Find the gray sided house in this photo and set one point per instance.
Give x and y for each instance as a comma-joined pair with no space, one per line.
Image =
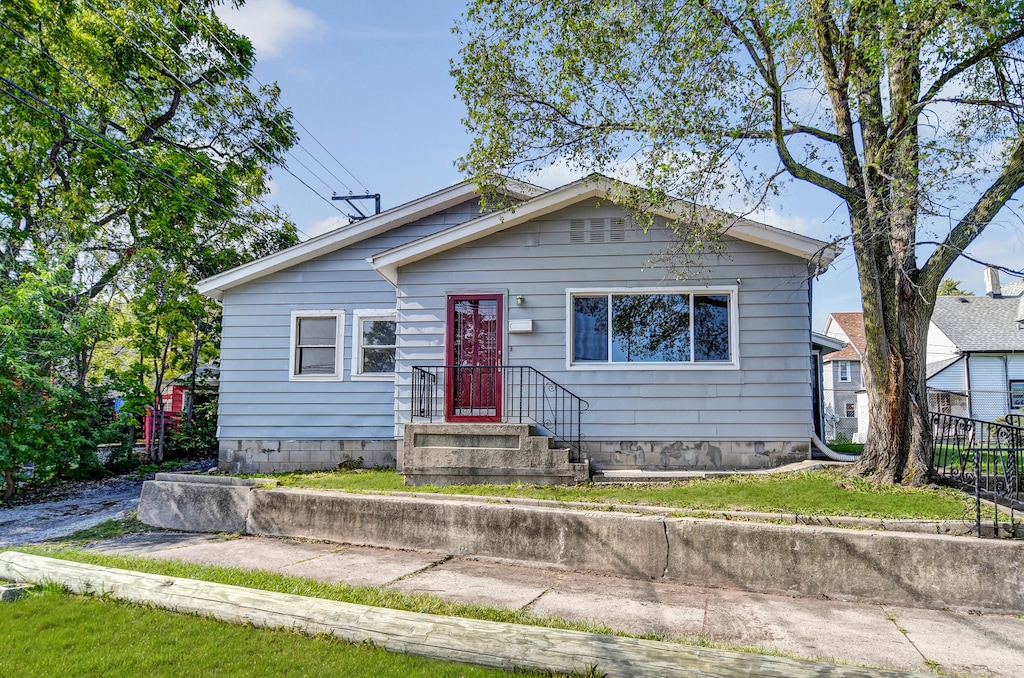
434,315
976,352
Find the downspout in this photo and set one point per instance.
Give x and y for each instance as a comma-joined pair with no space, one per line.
822,447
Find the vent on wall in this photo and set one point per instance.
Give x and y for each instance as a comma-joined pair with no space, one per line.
596,230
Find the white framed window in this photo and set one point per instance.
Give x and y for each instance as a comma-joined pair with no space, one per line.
844,370
663,328
316,345
851,410
374,343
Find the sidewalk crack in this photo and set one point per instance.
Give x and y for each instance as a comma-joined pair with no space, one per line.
542,593
664,527
930,663
430,566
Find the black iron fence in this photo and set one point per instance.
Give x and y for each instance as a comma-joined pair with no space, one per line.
982,456
507,393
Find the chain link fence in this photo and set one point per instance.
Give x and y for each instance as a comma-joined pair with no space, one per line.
841,413
992,406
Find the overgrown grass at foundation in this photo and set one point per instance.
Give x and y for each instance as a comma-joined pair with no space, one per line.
824,493
49,633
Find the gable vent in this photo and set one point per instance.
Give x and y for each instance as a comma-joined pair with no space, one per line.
617,232
576,230
597,227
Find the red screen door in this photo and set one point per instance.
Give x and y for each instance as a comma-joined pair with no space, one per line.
473,384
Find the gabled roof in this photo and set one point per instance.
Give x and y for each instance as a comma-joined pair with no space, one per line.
825,342
591,187
852,327
215,286
981,324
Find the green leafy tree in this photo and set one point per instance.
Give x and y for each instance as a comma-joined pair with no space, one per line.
951,288
129,136
909,113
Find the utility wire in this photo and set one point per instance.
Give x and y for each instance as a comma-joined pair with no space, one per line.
124,152
163,67
246,92
199,20
195,157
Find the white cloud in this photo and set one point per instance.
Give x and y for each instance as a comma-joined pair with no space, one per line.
272,25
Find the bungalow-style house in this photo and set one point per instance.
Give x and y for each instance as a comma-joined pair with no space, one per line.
438,326
976,352
842,379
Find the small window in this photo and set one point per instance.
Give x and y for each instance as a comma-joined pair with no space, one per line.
374,344
851,410
316,345
844,370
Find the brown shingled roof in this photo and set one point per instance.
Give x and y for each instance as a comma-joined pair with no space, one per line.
852,325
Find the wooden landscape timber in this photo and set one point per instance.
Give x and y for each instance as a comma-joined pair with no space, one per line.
471,641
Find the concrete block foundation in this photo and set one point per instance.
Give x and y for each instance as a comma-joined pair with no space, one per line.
278,456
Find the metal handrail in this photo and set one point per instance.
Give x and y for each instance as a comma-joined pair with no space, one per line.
526,395
987,457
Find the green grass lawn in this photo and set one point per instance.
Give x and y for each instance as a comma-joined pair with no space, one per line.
283,583
825,493
49,633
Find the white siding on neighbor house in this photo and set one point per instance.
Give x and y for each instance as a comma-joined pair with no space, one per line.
940,347
952,378
988,386
767,398
1015,366
257,399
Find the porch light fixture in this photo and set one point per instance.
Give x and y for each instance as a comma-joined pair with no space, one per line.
519,300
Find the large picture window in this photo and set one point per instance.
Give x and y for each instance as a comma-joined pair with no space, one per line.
374,344
667,327
316,345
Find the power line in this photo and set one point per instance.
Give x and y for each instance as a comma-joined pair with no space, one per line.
244,91
191,155
312,136
124,152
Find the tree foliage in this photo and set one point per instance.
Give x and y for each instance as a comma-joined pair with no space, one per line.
136,158
909,112
951,288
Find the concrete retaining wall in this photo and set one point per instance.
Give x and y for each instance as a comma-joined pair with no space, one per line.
917,570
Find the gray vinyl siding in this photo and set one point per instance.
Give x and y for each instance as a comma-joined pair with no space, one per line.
767,398
257,400
951,378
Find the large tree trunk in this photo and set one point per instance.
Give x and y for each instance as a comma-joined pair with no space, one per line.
899,437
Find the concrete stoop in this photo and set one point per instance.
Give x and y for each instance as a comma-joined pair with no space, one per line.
470,454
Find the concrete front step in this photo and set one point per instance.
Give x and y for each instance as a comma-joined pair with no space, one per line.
468,454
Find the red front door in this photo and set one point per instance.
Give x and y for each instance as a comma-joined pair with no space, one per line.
473,383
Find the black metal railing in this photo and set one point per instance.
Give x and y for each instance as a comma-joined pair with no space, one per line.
508,393
981,456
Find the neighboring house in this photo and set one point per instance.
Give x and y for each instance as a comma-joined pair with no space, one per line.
843,379
976,352
328,345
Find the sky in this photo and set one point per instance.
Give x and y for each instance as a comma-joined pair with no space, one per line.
369,86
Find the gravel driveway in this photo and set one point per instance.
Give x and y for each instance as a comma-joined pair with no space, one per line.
86,504
52,519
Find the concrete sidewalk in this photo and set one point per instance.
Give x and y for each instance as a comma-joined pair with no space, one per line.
901,638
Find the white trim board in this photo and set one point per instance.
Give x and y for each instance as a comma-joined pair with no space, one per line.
215,286
593,187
